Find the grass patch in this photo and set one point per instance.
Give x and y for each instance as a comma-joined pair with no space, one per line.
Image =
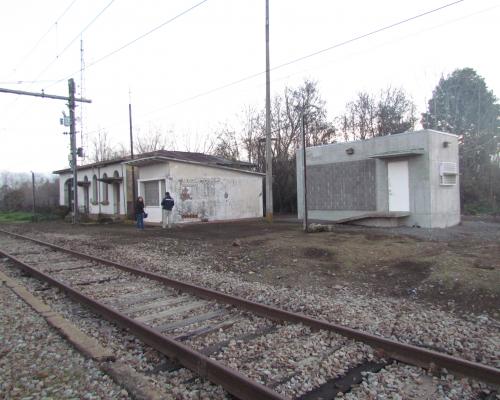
22,216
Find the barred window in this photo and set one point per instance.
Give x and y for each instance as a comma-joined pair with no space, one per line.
151,193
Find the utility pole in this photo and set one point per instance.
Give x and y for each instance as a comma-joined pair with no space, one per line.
72,135
131,149
71,105
33,188
269,159
304,186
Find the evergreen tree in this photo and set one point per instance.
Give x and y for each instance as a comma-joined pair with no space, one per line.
462,104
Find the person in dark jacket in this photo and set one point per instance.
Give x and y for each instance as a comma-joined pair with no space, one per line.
139,213
167,204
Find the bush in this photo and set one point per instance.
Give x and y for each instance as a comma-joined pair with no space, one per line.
480,208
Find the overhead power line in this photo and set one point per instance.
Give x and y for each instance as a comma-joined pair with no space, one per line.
135,40
74,39
19,82
296,60
28,54
332,47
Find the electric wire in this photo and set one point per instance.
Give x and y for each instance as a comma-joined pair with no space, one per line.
28,54
172,19
74,39
254,75
335,46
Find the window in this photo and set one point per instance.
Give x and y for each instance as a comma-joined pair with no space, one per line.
162,188
94,189
448,172
151,193
448,180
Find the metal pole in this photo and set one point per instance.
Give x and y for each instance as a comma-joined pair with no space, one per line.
33,188
132,152
48,96
303,131
269,160
72,134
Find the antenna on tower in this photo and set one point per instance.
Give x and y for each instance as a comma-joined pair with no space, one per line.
82,67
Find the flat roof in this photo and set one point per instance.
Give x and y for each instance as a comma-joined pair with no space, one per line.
399,153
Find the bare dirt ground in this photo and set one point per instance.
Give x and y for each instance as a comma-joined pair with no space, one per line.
455,269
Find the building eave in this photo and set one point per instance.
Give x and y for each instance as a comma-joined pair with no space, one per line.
162,159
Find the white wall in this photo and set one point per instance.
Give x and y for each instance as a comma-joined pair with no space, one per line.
203,192
445,200
431,204
96,206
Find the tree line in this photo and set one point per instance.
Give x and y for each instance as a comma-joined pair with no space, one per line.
16,192
461,103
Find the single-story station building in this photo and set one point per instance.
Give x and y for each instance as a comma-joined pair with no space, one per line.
408,179
204,187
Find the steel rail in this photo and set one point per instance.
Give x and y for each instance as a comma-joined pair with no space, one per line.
406,353
230,379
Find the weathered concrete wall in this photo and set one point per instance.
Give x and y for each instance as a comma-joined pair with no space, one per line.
350,179
199,191
445,200
203,192
348,185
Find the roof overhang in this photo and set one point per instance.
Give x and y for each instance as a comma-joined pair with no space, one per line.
141,162
111,179
398,154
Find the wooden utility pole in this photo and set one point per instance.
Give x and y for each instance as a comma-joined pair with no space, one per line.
269,158
304,186
71,105
33,189
131,151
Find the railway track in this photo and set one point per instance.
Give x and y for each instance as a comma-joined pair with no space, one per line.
223,338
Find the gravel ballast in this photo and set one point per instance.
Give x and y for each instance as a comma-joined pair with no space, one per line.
474,337
36,363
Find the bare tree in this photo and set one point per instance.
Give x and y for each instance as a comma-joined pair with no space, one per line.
396,112
199,143
101,149
286,119
367,116
252,132
226,144
359,121
154,140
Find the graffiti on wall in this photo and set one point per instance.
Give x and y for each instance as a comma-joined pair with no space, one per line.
198,197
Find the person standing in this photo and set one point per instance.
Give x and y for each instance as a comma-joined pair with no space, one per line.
167,204
139,213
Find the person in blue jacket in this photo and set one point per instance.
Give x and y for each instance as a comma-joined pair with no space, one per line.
167,204
139,213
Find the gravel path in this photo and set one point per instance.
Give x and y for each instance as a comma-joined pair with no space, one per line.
36,363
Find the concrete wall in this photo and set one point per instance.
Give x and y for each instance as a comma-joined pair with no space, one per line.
427,198
203,192
445,200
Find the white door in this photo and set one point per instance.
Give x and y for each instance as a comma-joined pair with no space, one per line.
399,188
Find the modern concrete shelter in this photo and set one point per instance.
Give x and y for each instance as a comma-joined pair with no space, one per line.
204,187
408,179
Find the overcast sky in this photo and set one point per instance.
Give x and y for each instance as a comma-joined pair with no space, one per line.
216,43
